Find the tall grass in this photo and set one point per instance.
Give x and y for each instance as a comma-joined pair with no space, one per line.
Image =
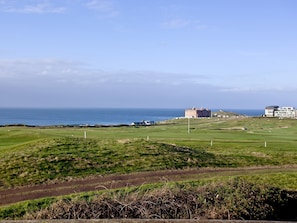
230,199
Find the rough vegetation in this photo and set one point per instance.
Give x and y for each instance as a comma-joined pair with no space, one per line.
59,159
44,156
62,158
234,199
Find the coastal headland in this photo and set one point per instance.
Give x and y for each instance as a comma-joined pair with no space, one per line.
64,165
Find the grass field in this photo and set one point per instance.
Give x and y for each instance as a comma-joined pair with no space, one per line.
36,155
41,155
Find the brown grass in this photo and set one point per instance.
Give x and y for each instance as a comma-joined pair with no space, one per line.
236,199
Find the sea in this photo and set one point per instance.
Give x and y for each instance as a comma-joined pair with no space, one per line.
97,116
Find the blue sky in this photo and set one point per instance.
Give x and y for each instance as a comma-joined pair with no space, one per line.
148,53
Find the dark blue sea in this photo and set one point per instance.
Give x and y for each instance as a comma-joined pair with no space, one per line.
95,116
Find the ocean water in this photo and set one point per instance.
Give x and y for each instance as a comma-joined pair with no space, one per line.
96,116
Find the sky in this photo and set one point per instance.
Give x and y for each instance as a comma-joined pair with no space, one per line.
148,53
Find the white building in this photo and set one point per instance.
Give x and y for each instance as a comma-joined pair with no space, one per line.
281,112
270,110
285,112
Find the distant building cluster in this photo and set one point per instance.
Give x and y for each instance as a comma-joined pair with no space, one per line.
280,112
270,111
143,123
197,113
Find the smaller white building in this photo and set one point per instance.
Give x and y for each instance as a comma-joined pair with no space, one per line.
270,110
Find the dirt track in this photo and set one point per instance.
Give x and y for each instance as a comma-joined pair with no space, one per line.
117,181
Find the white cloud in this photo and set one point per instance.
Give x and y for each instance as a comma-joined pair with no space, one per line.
30,7
180,23
176,23
26,71
62,83
253,53
69,83
237,89
258,89
105,7
36,72
72,73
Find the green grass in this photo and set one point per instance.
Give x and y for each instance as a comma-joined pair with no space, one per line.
59,158
37,155
19,210
234,191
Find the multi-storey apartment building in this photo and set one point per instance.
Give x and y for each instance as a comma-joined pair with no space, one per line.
285,112
281,112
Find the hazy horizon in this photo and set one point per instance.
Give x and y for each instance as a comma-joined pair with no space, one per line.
141,108
148,54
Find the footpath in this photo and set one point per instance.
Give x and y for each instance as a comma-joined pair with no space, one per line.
9,196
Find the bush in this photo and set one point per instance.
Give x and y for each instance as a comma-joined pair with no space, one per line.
235,199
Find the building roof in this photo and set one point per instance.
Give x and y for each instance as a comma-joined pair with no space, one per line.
272,107
198,109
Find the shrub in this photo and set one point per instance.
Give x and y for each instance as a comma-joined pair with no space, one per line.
235,199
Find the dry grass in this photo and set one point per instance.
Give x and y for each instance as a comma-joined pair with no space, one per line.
232,200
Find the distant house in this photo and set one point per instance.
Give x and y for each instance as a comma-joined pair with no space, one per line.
197,113
143,123
270,110
280,112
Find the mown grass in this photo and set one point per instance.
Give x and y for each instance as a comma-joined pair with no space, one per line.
37,155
